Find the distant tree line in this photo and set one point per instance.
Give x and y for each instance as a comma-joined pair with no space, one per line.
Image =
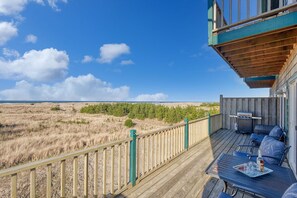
151,111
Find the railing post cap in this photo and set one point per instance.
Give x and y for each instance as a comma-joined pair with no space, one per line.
186,120
132,132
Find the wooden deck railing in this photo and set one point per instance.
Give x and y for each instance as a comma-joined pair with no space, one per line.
78,159
94,170
228,14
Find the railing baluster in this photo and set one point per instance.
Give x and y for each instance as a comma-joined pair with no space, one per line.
75,176
86,175
163,146
148,153
126,164
215,14
63,178
268,5
49,181
230,11
281,3
13,193
160,149
171,146
248,8
112,170
138,158
104,173
239,11
32,183
165,136
156,149
143,156
153,151
259,7
96,158
119,167
222,13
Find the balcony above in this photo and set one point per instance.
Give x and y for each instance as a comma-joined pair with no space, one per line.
254,37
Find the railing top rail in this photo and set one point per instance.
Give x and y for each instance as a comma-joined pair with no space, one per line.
266,14
161,130
198,120
216,115
44,162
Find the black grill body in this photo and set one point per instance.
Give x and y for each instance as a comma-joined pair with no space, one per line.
244,122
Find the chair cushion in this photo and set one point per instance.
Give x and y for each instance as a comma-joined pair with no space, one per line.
272,147
224,195
276,132
257,138
263,129
291,192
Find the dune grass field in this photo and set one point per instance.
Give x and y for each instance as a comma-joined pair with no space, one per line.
29,132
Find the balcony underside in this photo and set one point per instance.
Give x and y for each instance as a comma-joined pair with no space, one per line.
259,49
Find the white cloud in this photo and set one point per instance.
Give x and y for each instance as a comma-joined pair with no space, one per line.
152,97
44,65
108,52
14,7
53,3
31,38
81,88
127,62
87,59
10,53
7,31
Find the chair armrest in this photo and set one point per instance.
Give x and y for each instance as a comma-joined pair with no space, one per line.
245,146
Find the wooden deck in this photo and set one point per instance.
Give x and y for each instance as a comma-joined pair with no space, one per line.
185,176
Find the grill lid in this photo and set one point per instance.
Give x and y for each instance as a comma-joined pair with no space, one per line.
244,114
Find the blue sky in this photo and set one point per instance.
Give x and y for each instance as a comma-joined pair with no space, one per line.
111,50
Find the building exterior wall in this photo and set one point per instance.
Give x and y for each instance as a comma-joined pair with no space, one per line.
285,87
286,74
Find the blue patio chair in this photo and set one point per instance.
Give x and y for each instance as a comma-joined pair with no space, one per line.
291,192
276,132
272,150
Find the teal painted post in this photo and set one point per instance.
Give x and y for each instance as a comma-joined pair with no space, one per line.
133,157
209,124
210,21
186,134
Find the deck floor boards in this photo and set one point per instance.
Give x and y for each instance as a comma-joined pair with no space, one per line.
185,176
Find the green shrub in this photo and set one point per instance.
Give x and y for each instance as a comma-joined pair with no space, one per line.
129,123
56,108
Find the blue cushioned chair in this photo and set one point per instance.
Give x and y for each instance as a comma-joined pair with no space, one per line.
276,132
291,192
272,150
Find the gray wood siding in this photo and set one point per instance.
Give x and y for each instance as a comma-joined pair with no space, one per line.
267,108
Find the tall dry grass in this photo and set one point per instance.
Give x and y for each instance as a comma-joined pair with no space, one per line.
32,132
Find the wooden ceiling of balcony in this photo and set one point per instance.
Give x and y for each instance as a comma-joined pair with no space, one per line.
261,55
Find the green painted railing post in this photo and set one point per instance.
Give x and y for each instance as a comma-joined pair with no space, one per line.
209,124
186,133
133,157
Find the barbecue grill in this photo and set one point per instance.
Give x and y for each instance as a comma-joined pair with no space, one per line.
244,121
